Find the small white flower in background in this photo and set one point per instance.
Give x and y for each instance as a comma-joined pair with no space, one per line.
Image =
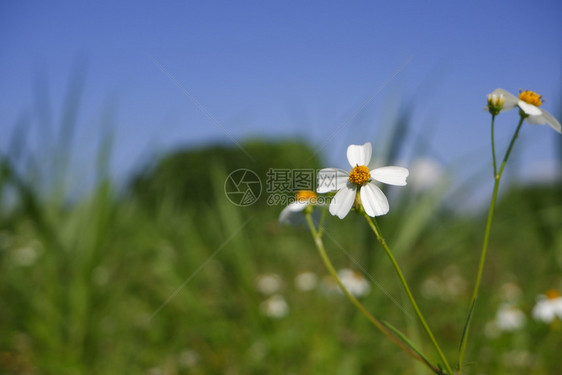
189,358
425,173
518,358
354,282
432,287
25,256
306,281
509,318
447,287
528,102
548,307
269,283
373,200
274,307
155,371
258,351
293,214
510,292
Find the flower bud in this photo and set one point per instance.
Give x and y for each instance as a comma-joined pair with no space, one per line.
495,103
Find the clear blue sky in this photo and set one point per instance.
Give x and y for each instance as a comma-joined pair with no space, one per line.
283,68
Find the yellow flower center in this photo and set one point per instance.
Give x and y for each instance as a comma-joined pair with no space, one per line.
552,294
530,97
359,175
303,195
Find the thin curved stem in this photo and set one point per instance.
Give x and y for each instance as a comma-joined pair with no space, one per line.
508,152
494,145
374,226
497,178
317,236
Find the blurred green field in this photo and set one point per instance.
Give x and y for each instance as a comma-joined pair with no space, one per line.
162,277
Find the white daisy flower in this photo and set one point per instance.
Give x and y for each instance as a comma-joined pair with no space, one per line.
528,102
373,200
548,307
293,213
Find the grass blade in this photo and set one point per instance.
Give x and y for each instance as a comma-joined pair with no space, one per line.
462,346
410,344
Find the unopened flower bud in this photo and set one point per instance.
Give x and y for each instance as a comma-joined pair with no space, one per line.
495,103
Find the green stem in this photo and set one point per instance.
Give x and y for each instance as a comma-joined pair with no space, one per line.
508,152
497,178
374,226
494,145
317,236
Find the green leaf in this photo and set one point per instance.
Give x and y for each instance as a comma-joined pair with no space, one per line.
462,346
407,341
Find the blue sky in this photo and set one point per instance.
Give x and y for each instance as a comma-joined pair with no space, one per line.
165,74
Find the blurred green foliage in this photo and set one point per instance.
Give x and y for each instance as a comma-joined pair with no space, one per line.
163,278
106,285
186,176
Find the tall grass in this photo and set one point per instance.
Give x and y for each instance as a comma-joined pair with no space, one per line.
104,285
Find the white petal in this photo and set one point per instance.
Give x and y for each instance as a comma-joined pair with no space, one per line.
298,206
391,175
510,99
545,118
529,109
292,214
359,154
331,179
343,200
536,120
373,200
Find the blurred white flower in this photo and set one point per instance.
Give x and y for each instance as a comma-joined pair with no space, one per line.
425,173
509,318
432,287
274,307
454,283
518,358
510,292
189,358
25,256
373,200
548,307
306,281
446,287
155,371
354,282
258,350
293,214
529,103
268,283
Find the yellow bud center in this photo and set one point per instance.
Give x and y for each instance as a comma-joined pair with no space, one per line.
359,175
530,97
303,195
552,294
